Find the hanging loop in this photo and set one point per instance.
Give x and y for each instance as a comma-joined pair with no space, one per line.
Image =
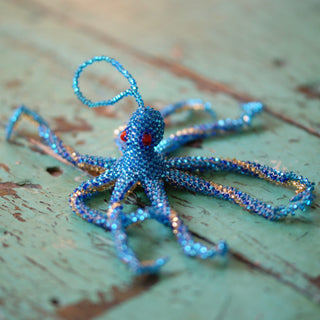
133,91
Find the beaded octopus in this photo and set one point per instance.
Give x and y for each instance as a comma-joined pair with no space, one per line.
145,162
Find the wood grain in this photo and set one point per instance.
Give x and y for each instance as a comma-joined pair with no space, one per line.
53,265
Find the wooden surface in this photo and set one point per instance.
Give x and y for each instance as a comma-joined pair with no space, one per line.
53,265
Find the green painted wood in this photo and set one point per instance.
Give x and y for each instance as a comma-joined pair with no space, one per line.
267,51
54,265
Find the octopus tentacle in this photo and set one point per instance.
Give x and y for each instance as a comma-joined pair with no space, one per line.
302,199
114,220
92,187
115,217
190,104
210,129
164,214
92,164
87,190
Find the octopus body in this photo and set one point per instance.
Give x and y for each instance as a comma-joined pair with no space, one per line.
146,161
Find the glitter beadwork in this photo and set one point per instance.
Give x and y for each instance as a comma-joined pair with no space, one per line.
145,161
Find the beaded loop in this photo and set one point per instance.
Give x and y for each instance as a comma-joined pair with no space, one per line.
134,91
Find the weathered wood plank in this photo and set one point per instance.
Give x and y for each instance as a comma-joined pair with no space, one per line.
253,48
52,264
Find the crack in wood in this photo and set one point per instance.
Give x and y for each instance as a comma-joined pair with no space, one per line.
224,309
268,271
43,268
86,309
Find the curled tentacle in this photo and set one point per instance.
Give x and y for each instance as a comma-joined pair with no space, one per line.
164,214
116,216
114,220
19,114
210,129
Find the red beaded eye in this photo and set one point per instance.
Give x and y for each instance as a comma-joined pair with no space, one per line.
146,139
123,136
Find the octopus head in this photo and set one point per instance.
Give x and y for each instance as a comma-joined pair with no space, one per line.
144,130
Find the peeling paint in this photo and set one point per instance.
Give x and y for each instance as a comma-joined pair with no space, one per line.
186,217
63,125
8,188
202,82
315,281
80,142
105,112
13,235
86,309
290,278
13,84
18,216
5,167
311,90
